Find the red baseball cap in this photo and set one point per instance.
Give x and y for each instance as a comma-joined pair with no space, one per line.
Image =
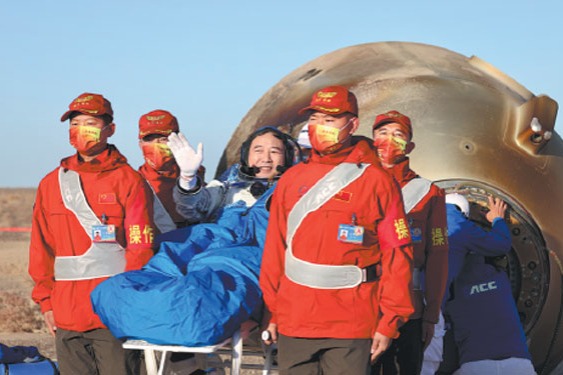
333,100
89,104
394,116
157,122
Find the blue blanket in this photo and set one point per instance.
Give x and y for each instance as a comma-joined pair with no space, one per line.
198,289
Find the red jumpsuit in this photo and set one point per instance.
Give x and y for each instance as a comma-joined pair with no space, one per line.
163,184
112,188
428,224
348,313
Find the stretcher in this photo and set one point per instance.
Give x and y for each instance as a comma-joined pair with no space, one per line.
232,347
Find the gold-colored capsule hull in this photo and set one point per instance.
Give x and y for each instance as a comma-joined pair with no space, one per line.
475,129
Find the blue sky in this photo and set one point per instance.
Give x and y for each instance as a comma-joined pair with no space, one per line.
209,62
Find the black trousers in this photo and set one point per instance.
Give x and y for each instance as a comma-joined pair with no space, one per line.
93,352
405,354
303,356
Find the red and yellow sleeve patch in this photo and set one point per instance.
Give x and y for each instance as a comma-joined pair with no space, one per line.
438,237
401,229
138,235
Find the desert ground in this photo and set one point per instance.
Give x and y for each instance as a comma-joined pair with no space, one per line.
21,322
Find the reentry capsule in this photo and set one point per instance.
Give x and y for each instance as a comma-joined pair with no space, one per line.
476,130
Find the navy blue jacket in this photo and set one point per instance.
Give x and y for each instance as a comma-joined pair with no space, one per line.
464,236
482,310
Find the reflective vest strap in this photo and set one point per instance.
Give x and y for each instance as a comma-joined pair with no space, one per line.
161,217
322,276
414,191
75,201
101,259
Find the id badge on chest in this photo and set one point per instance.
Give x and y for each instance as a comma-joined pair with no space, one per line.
350,233
416,235
416,232
103,233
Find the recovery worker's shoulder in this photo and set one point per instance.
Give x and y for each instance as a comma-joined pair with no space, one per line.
129,174
50,182
126,181
376,174
293,173
436,191
48,189
51,176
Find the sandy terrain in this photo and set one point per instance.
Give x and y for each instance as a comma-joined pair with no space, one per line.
20,319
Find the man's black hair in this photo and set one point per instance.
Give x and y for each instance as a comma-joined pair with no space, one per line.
289,144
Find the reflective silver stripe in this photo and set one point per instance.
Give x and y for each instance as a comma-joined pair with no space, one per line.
322,276
101,259
161,217
414,191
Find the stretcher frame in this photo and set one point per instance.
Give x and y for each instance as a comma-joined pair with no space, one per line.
232,346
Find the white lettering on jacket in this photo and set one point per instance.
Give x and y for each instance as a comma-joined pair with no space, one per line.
484,287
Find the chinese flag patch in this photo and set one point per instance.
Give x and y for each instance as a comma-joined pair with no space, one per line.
344,196
106,198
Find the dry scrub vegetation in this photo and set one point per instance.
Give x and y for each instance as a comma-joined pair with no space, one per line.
21,322
17,312
16,207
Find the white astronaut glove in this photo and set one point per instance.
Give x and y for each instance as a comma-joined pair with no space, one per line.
188,159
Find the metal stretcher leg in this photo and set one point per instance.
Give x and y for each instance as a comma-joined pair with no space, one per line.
236,355
162,362
202,353
150,362
269,349
154,369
